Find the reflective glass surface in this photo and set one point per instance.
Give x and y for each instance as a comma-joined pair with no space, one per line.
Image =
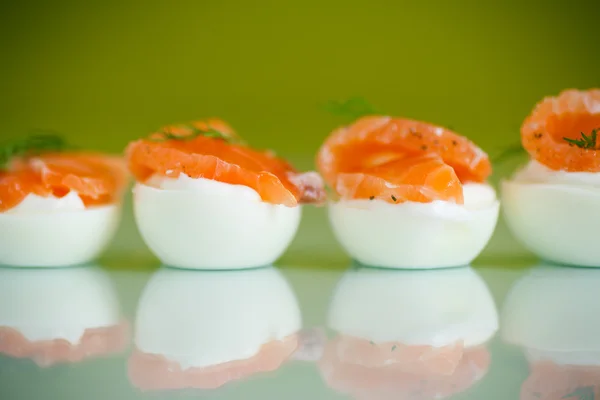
287,332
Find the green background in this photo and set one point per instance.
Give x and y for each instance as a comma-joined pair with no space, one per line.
104,73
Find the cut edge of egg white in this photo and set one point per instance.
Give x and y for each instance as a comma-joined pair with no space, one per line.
417,235
199,223
55,232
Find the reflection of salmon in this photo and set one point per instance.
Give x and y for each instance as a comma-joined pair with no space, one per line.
208,157
549,381
155,372
98,179
385,371
416,359
95,342
569,115
411,160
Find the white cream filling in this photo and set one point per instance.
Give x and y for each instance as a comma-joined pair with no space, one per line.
478,195
34,203
535,172
184,182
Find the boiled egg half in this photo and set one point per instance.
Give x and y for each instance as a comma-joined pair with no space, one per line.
407,194
205,200
551,203
58,209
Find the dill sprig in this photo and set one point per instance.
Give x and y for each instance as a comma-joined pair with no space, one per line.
585,142
354,108
194,132
33,145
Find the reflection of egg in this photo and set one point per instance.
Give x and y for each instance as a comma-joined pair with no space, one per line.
416,235
46,234
408,332
552,313
555,214
414,307
61,315
202,329
205,224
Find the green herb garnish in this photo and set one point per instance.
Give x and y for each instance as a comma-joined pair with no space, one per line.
194,132
508,153
32,145
585,142
394,347
583,393
354,108
394,198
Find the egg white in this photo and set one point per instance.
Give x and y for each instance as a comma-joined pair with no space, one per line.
204,318
205,224
44,304
416,235
552,312
555,214
54,232
414,307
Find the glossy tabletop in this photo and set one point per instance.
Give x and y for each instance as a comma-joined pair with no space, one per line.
313,326
553,307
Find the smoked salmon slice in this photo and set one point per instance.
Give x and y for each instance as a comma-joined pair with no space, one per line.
421,178
553,134
211,150
400,160
98,179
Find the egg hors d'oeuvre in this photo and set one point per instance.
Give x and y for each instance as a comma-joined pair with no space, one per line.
59,315
411,194
552,313
403,333
58,207
551,205
203,329
203,199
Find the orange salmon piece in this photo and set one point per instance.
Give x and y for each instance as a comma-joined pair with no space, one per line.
421,178
568,115
98,179
275,180
377,140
